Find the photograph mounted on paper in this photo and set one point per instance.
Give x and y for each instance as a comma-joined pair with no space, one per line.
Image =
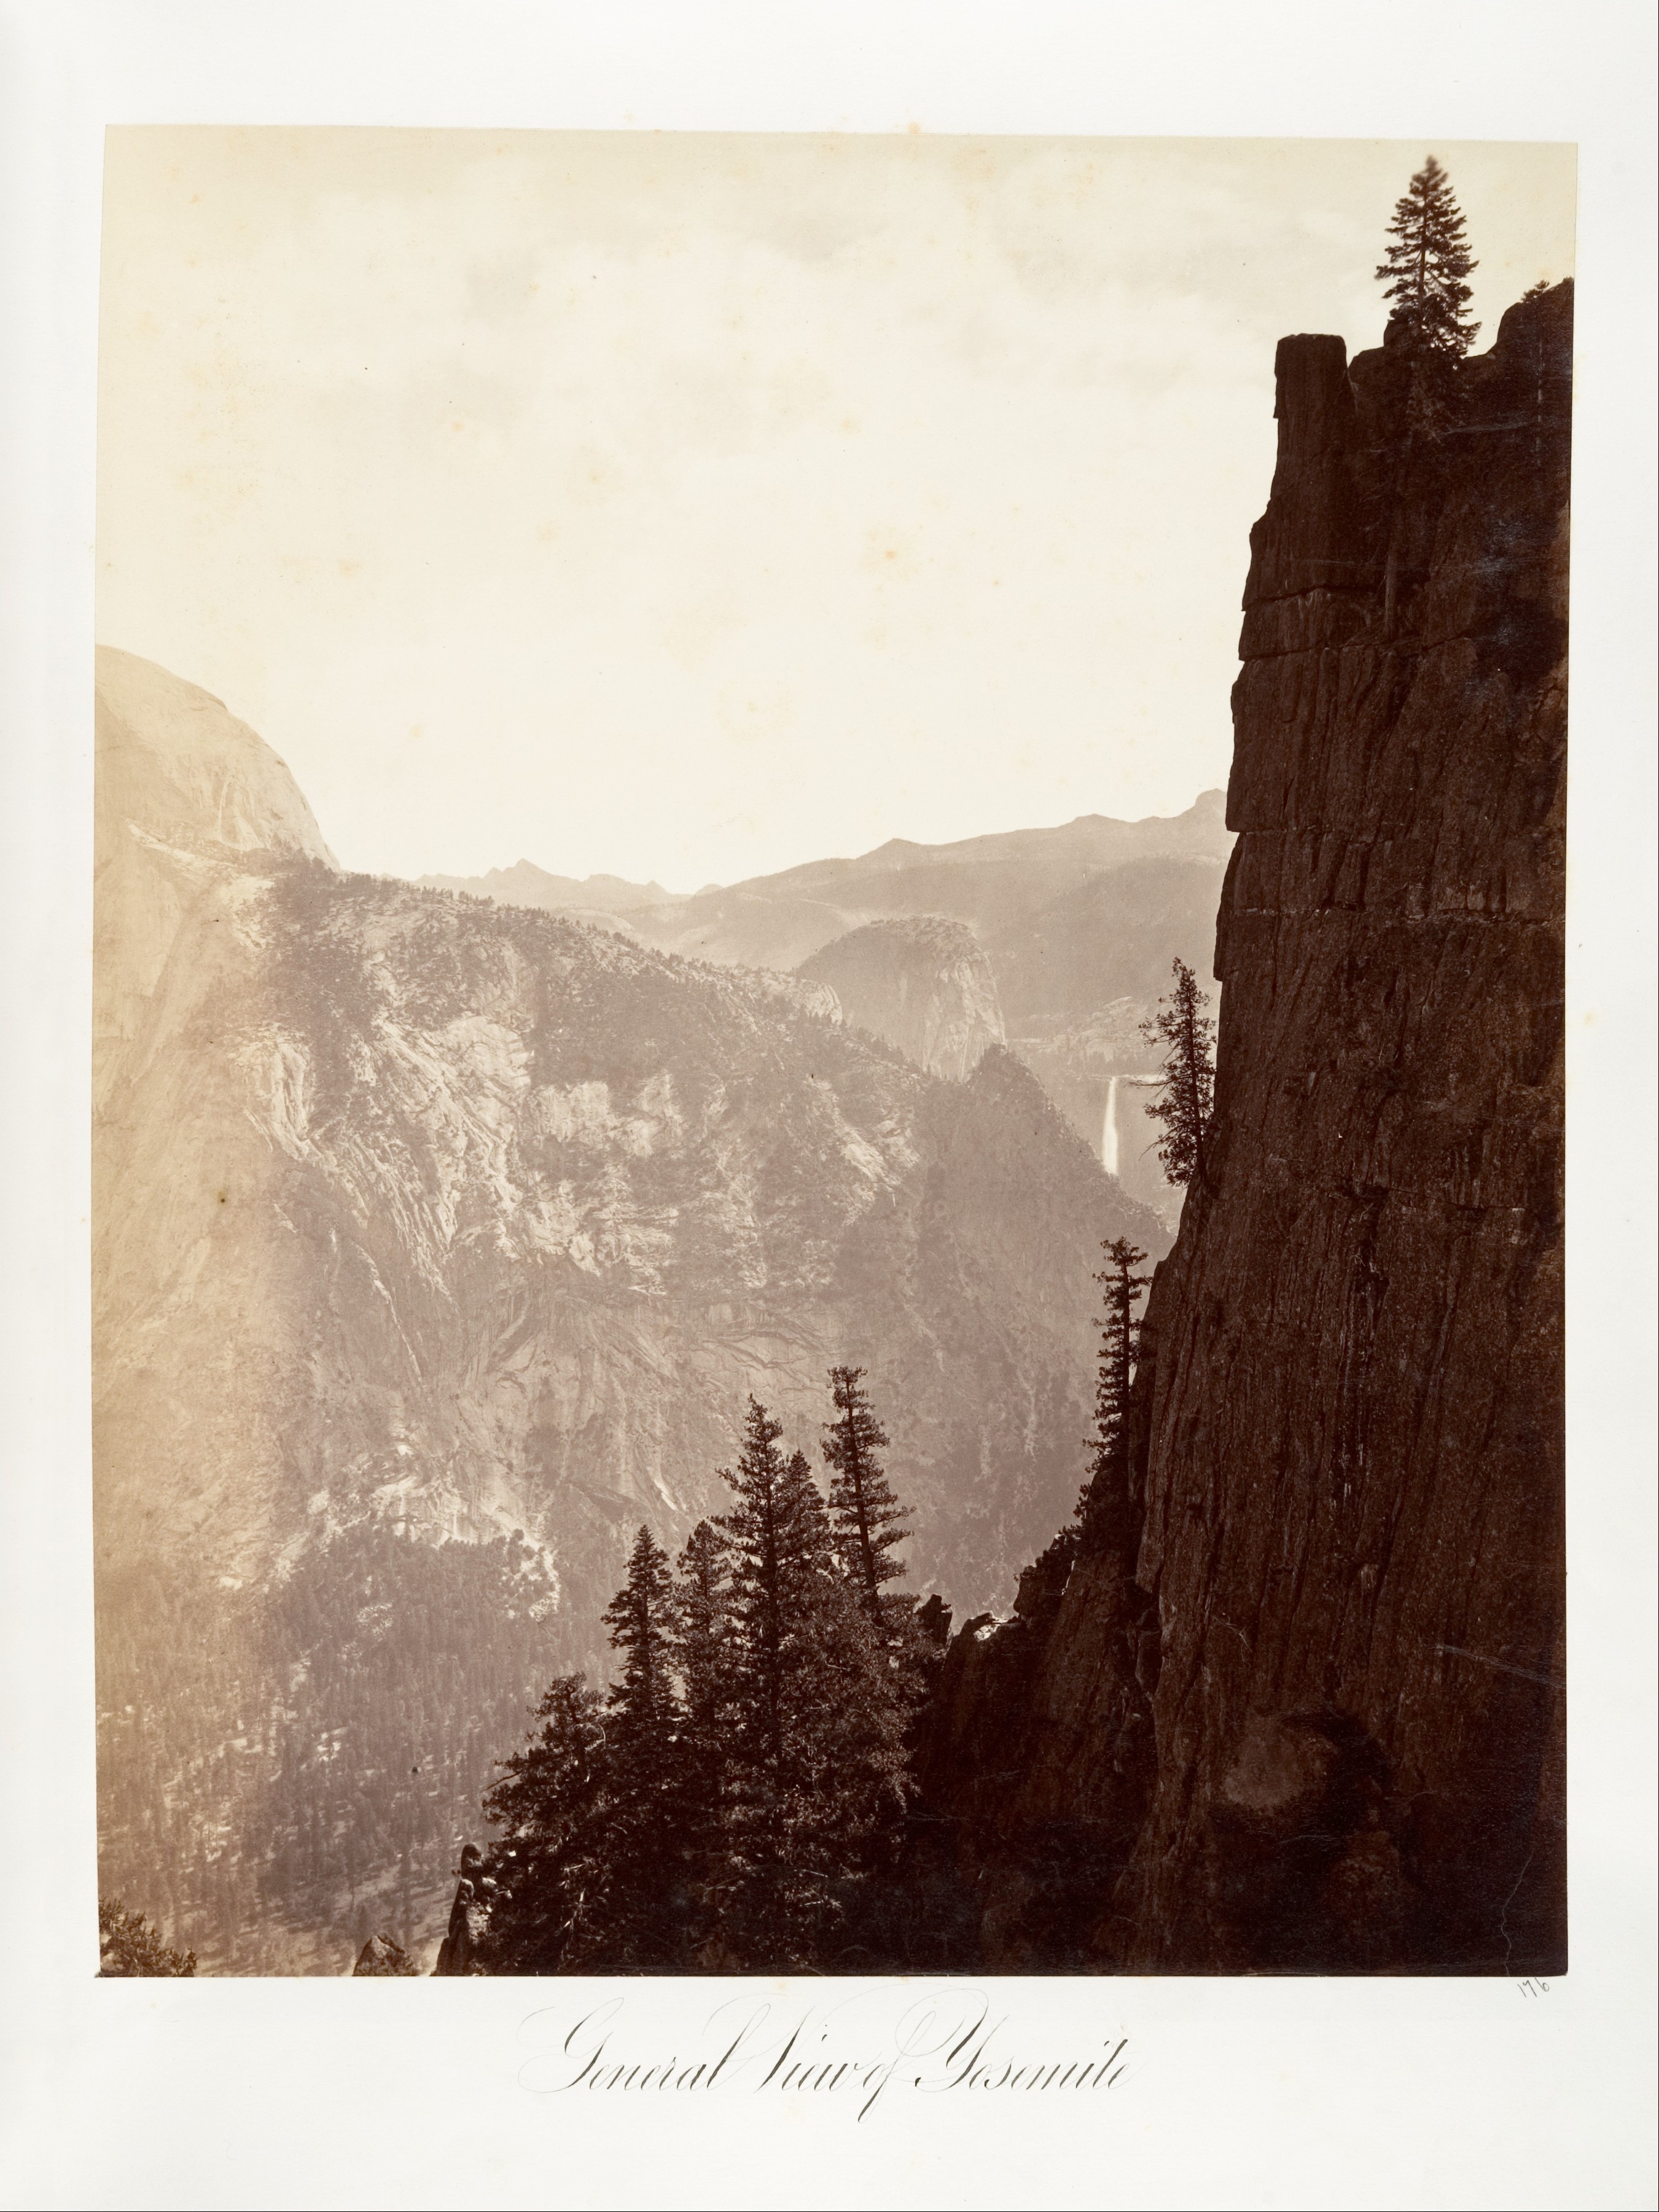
827,1234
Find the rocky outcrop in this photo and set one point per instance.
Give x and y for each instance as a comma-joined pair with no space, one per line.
1352,1392
381,1955
180,785
1037,1763
523,1211
919,981
469,1918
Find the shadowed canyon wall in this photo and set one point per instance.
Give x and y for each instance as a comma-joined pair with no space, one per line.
1307,1713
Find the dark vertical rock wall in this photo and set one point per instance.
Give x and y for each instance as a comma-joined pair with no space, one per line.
1353,1539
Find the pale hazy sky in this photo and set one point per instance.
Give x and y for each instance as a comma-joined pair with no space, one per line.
690,507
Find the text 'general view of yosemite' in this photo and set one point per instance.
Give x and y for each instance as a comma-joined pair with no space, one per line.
993,1406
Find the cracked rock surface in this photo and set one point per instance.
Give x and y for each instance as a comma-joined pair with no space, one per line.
1350,1404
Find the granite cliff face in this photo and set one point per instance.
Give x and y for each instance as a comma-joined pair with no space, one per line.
181,786
919,981
438,1244
1308,1716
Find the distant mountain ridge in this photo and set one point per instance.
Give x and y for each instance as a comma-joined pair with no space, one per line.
1072,920
1082,846
525,884
1087,844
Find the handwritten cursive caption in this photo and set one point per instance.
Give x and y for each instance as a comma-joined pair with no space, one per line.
841,2052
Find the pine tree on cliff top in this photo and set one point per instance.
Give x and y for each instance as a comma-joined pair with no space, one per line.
1105,1503
1423,270
1422,273
867,1520
1184,1030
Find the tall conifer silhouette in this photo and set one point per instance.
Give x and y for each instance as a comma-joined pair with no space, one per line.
592,1873
764,1549
868,1521
727,1801
640,1618
1105,1504
548,1864
1422,272
701,1637
701,1647
646,1899
1183,1030
818,1714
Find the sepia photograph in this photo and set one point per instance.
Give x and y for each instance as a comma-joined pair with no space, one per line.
830,1187
827,1223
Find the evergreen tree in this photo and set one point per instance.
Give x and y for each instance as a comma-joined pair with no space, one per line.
646,1903
128,1945
866,1519
765,1551
700,1639
700,1646
841,1777
819,1714
1423,270
639,1617
783,1580
1105,1504
1185,1033
549,1865
725,1803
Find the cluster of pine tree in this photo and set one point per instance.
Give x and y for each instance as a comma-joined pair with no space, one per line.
730,1802
129,1945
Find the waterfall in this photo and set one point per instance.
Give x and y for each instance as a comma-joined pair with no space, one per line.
1111,1135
